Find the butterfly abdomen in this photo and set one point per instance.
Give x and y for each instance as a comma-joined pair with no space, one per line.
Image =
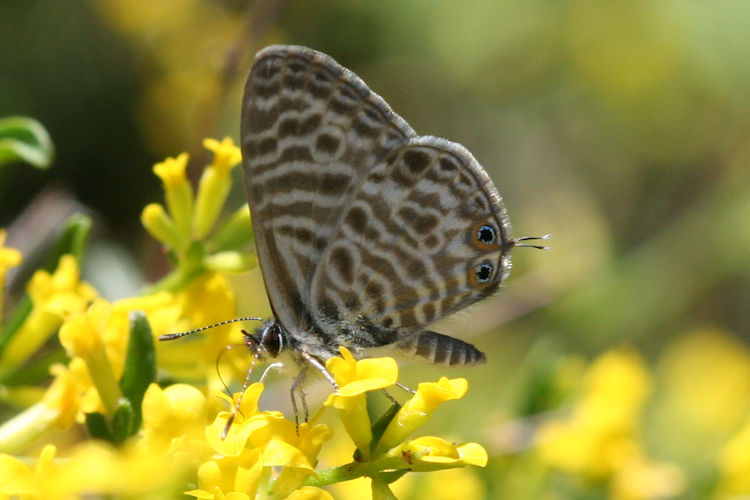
440,349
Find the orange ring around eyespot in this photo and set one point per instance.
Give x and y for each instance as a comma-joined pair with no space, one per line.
475,271
475,236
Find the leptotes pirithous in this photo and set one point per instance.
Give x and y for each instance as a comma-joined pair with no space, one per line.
366,232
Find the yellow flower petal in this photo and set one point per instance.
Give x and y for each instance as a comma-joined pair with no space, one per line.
235,474
357,377
160,225
178,192
226,154
283,454
310,493
178,411
417,410
16,478
246,423
429,453
55,297
9,257
214,185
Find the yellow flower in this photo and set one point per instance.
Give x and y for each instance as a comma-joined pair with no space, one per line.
160,225
640,478
214,184
18,479
9,257
430,453
230,477
174,420
57,410
95,466
309,493
415,412
196,357
734,464
600,440
692,367
178,193
277,441
355,379
55,297
447,484
82,337
601,433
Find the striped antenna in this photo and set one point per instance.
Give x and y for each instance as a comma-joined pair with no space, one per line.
172,336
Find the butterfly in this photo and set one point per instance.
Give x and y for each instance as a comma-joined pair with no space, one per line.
366,232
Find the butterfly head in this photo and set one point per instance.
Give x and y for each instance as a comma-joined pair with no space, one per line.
268,341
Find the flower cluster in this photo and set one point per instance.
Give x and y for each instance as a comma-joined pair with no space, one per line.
150,436
600,439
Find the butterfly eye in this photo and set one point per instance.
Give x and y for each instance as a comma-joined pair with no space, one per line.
483,273
486,234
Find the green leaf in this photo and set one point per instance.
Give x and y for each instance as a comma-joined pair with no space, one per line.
123,422
24,139
380,425
18,316
140,365
98,428
36,371
72,240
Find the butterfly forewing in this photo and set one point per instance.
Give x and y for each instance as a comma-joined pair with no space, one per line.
311,130
365,232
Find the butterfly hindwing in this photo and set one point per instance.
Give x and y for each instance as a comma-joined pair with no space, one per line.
425,234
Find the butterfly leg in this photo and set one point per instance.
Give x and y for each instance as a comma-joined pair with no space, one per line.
303,397
407,389
390,398
293,394
321,368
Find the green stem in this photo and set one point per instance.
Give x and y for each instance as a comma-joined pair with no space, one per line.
176,280
381,491
356,470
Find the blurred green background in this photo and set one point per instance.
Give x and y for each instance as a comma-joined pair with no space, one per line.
620,127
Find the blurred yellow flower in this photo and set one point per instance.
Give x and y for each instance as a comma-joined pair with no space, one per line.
691,369
447,484
9,257
55,297
214,184
18,479
601,439
174,420
734,465
178,194
160,225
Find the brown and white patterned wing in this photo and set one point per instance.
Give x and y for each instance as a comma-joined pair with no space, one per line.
426,234
311,131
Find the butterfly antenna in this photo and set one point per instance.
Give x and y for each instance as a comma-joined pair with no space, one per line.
530,238
218,360
236,408
172,336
